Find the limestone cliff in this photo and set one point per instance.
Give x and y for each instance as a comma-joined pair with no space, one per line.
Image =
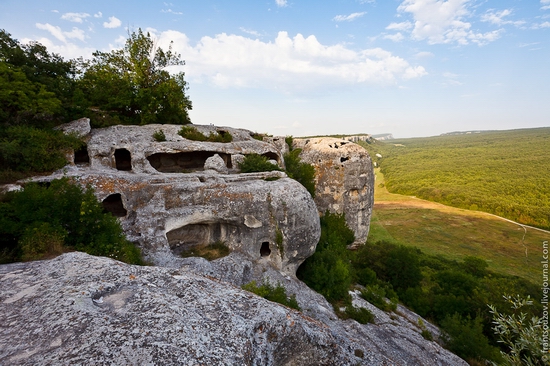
178,194
344,180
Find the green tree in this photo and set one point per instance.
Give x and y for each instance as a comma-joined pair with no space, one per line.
132,85
36,87
465,337
302,172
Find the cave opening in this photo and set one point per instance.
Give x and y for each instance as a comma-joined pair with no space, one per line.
113,204
123,159
264,250
184,161
81,155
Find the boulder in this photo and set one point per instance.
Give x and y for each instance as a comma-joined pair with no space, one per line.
216,163
78,309
344,180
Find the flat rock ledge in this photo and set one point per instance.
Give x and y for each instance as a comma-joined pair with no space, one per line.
78,309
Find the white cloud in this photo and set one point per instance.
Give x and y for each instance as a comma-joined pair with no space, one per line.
171,11
424,54
113,22
286,63
348,18
497,17
451,79
98,14
400,26
398,37
281,3
541,25
75,33
68,50
443,22
250,31
55,31
75,17
545,4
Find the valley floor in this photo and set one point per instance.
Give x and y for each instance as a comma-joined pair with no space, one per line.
508,247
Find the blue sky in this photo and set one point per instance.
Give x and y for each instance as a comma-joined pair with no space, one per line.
291,67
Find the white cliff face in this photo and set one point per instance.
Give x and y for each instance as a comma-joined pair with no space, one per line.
178,194
344,180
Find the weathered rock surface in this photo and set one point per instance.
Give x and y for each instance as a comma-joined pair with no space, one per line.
344,180
174,195
169,213
80,309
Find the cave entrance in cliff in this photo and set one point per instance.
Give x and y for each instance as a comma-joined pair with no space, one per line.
81,155
123,159
264,250
271,156
192,239
113,204
182,162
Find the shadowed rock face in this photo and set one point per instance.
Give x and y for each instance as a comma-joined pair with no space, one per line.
344,180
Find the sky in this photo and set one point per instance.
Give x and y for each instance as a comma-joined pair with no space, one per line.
302,68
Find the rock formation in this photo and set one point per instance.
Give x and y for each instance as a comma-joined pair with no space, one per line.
178,194
344,180
79,309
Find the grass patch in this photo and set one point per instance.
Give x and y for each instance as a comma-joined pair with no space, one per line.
191,133
210,251
272,293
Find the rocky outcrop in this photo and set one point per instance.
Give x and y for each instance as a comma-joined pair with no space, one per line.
344,180
79,309
172,196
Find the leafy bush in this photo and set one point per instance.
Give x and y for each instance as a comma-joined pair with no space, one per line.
272,293
42,221
304,173
29,149
191,133
257,163
376,295
328,271
464,337
159,136
521,337
361,315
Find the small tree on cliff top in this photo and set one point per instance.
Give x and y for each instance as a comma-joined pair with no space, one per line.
133,84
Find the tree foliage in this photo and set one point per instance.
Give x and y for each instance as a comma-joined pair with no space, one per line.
500,172
132,85
328,271
42,221
36,86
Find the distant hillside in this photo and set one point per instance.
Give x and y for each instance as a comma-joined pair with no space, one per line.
501,172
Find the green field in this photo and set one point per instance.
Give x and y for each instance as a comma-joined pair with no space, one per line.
506,173
456,233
